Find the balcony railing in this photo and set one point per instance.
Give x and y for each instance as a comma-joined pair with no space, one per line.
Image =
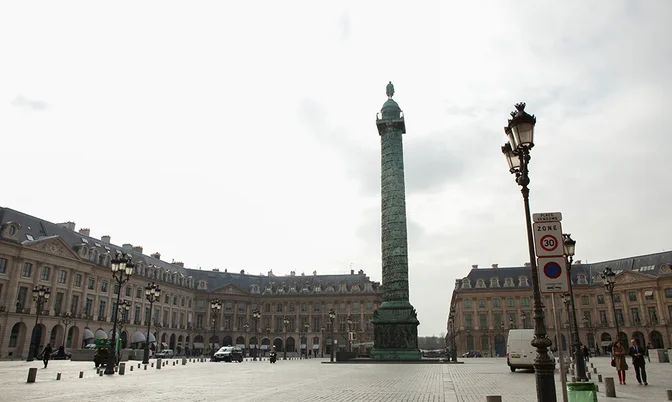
101,318
21,310
137,322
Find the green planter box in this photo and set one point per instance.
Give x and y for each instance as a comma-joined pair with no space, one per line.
581,392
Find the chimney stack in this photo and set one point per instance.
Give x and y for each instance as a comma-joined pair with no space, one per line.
137,249
179,263
127,246
475,266
156,255
67,225
495,265
292,273
105,239
352,272
85,232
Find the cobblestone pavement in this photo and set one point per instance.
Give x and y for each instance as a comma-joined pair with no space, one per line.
303,380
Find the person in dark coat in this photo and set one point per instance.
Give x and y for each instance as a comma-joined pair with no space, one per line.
637,353
46,354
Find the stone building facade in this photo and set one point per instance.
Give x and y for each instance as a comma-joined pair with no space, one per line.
489,301
76,269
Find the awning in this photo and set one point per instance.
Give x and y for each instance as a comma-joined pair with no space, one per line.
241,345
648,293
152,339
109,334
216,345
253,346
164,345
88,334
605,343
316,346
264,347
100,334
198,345
137,337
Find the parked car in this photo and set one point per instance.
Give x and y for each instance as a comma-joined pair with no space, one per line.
520,354
228,354
165,354
61,354
471,353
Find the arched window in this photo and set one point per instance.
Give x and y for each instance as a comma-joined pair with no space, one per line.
466,283
581,279
522,281
494,282
508,283
480,283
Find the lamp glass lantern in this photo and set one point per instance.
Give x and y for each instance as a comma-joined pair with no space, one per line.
511,158
569,245
521,126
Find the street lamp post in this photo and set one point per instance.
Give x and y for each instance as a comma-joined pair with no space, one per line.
523,317
349,334
511,323
569,246
306,328
215,307
122,309
322,345
157,329
609,279
152,294
566,300
40,297
246,327
453,340
501,331
490,333
121,264
66,319
361,336
520,133
285,323
332,317
256,315
268,333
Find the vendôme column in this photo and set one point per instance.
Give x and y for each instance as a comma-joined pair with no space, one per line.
395,323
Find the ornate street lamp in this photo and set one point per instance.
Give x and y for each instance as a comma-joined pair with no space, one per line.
152,294
66,319
256,315
523,317
285,322
122,315
157,329
40,297
520,133
215,308
569,246
121,264
609,280
332,317
512,325
322,346
306,328
268,333
361,335
567,300
453,335
349,334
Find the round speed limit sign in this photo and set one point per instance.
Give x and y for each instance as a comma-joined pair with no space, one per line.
549,243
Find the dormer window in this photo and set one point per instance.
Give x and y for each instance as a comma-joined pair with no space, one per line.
508,283
480,284
581,279
494,282
466,283
522,281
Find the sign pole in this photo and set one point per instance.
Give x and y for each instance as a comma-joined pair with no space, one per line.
561,355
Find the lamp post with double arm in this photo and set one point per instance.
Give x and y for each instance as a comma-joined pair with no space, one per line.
322,345
215,308
152,294
41,296
349,334
609,280
332,317
285,323
66,319
569,246
256,315
121,264
520,134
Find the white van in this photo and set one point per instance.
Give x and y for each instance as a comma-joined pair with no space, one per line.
520,353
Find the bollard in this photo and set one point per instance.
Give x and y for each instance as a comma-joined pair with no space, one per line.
100,373
609,387
116,369
597,388
599,377
571,371
152,364
32,374
131,368
122,368
184,361
58,376
588,376
138,365
173,363
146,366
669,394
595,370
81,374
493,398
591,365
573,379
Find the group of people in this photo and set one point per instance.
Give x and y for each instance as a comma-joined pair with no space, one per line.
637,353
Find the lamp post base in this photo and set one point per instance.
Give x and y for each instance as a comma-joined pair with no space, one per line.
145,356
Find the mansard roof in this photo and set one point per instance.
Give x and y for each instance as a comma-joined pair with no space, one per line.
655,265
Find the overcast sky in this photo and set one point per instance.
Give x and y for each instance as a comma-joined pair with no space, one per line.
242,135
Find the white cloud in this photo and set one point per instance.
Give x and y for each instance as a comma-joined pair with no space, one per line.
243,136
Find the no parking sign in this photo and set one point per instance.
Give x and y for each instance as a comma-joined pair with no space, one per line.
550,250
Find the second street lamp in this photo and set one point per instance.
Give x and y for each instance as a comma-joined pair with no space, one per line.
569,247
609,278
152,294
66,319
256,315
520,133
332,317
285,322
121,264
215,308
40,297
322,345
566,300
349,334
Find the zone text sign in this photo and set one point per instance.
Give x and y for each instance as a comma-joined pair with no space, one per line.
548,239
553,277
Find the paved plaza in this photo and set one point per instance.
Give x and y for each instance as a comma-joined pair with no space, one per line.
304,380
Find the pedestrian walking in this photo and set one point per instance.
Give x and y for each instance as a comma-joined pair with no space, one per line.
586,353
619,362
637,352
46,354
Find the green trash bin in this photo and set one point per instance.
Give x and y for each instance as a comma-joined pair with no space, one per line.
581,392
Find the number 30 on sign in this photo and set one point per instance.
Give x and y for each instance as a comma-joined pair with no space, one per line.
548,239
